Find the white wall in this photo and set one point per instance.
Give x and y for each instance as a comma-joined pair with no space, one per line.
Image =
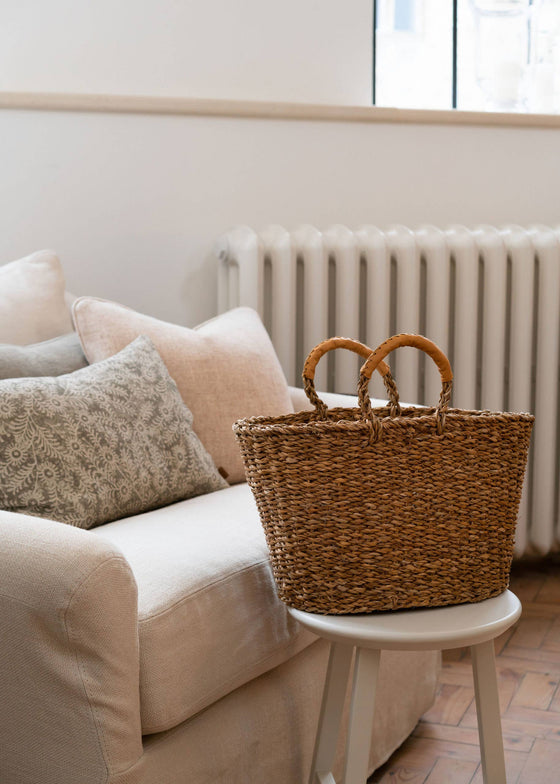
288,50
133,203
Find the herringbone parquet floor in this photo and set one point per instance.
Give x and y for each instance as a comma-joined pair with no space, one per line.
444,746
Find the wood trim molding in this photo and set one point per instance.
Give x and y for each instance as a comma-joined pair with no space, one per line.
266,110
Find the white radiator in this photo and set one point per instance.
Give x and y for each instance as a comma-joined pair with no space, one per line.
490,298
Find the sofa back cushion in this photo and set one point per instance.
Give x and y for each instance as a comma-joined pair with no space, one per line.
225,369
32,301
104,442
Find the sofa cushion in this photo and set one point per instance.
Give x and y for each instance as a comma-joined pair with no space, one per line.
226,368
53,357
32,303
209,617
106,441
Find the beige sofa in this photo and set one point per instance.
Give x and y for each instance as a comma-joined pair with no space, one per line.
154,650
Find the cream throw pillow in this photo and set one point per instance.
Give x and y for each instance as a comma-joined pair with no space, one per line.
32,302
105,442
225,369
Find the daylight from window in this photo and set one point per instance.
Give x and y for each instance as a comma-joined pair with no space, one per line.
507,55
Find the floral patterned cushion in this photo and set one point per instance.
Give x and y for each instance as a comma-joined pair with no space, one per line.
107,441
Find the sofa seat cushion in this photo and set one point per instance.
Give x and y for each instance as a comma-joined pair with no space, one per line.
209,617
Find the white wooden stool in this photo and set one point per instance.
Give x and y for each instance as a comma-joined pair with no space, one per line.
424,629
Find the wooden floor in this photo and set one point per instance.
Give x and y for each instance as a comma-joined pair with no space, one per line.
444,746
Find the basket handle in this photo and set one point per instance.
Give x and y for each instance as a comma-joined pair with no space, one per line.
358,348
375,361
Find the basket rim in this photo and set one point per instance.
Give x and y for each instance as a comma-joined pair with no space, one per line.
298,422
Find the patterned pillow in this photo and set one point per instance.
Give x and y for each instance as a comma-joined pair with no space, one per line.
107,441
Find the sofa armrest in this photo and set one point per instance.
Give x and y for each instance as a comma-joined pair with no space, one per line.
333,400
69,665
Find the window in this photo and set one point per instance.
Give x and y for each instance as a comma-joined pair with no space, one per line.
482,55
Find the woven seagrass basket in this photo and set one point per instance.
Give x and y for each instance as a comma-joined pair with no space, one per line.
380,509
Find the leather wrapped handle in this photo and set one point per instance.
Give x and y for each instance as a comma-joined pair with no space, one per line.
329,345
375,362
363,351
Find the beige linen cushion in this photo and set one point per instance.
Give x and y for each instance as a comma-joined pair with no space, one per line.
107,441
32,300
225,369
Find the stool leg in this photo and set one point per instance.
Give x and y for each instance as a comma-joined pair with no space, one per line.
366,668
488,713
334,692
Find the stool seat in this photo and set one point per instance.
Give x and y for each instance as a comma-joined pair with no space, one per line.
424,629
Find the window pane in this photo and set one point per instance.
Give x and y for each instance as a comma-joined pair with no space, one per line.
509,55
414,54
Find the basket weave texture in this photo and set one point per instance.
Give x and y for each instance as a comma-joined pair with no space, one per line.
381,509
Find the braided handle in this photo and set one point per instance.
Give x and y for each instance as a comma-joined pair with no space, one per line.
358,348
375,361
